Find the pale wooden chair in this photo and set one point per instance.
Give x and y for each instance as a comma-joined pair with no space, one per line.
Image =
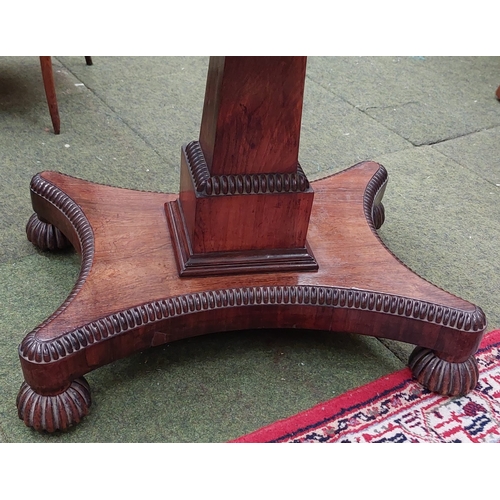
50,89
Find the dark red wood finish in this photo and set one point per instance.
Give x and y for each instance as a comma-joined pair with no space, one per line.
252,114
50,92
129,295
50,89
244,202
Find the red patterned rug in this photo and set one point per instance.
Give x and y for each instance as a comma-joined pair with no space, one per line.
396,409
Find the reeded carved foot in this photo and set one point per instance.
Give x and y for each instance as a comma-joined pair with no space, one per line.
52,413
44,235
443,377
378,215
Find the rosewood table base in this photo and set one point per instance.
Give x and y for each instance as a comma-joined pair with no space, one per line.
129,295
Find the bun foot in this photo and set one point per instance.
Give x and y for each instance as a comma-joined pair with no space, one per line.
378,215
44,235
441,376
54,413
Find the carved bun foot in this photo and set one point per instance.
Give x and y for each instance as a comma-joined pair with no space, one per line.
443,377
44,235
52,413
378,215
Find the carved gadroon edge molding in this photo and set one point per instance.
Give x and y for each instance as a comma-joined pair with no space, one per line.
372,201
375,214
221,185
74,214
36,350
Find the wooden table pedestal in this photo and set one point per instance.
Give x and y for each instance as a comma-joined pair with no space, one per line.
248,243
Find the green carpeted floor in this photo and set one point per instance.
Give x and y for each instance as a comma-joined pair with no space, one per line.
434,123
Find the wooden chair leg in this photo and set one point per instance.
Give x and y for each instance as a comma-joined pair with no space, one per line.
498,93
88,60
50,91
